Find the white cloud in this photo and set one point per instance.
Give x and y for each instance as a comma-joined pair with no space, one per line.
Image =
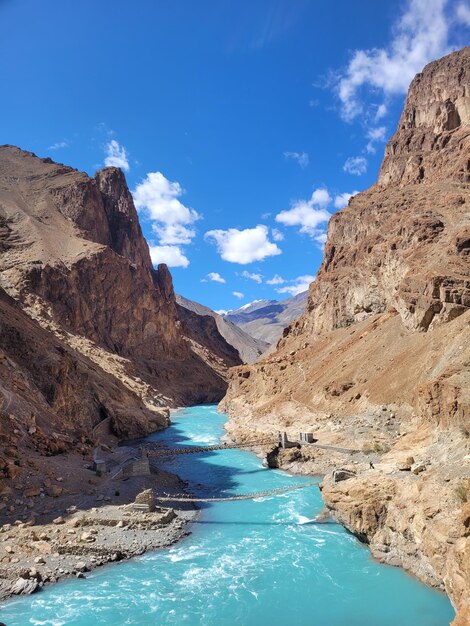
173,234
158,198
463,13
277,234
301,158
308,214
419,36
276,280
381,112
58,145
243,246
116,156
238,294
320,238
256,277
375,135
355,165
299,284
171,255
215,277
321,197
342,199
221,311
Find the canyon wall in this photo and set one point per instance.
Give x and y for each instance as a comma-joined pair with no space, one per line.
90,332
380,361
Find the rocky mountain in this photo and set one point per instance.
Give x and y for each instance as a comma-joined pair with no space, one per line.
90,332
266,319
380,361
247,347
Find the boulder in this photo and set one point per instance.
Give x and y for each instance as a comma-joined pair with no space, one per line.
419,467
146,497
24,586
406,464
342,474
81,566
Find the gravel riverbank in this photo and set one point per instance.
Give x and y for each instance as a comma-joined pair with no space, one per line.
70,534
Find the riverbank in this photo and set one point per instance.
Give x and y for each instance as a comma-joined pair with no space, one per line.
76,521
250,562
403,494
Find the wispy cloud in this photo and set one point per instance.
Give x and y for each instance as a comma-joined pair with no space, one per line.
276,280
243,246
59,145
214,277
375,135
300,157
420,35
258,278
238,294
463,13
116,155
297,285
355,165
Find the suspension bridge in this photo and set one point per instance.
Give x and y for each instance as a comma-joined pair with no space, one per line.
156,451
246,496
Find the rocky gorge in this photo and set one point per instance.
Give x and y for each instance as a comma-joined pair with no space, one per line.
96,348
93,347
380,361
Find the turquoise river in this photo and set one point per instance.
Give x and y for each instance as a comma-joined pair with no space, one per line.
246,563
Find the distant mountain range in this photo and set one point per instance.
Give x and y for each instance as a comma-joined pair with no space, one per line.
252,328
265,320
249,348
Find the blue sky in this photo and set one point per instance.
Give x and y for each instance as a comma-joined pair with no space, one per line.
241,125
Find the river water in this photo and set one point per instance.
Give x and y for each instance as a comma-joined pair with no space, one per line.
247,563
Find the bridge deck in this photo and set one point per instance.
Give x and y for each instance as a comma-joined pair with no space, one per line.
247,496
157,451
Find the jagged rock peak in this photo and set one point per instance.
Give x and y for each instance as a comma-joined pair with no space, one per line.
164,281
432,137
124,227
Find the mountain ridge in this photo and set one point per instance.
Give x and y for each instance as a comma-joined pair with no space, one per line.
267,319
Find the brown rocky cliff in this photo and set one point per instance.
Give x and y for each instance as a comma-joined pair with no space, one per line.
73,253
205,335
91,340
431,139
52,396
380,359
405,243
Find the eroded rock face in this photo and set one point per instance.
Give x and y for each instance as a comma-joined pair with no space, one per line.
52,396
91,341
73,253
379,362
430,143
